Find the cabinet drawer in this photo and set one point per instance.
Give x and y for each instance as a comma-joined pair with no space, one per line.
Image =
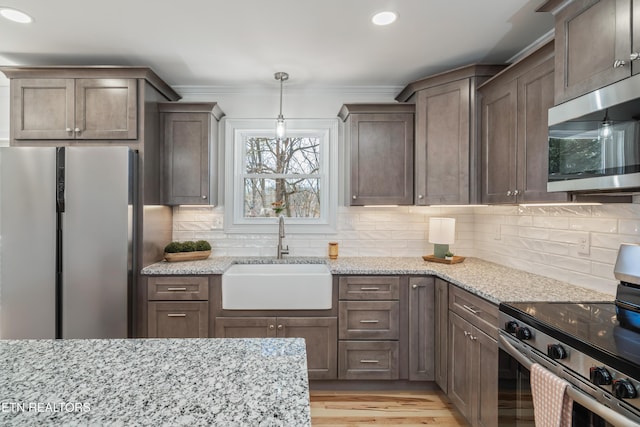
477,311
369,287
178,319
369,320
368,360
178,288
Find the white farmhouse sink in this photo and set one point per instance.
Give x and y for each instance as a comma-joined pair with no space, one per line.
277,287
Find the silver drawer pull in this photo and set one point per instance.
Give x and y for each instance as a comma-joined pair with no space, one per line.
369,361
369,289
474,311
176,315
177,289
369,321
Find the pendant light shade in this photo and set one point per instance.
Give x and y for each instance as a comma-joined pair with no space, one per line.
281,128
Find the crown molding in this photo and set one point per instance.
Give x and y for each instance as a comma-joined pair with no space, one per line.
189,90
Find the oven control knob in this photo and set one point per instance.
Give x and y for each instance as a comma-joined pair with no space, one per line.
556,351
511,326
623,389
600,376
524,333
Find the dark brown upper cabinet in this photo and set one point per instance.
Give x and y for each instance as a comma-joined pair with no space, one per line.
80,103
514,131
446,166
596,44
381,154
189,152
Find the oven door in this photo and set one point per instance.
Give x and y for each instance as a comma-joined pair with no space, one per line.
515,403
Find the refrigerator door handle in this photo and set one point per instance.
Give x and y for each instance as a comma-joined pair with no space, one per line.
60,172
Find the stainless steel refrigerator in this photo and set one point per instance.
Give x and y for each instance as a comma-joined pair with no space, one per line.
66,228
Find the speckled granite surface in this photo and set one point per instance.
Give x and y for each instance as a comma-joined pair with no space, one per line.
494,282
186,382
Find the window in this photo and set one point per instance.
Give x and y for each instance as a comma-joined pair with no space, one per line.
293,178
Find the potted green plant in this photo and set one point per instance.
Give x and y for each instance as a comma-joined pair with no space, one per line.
448,256
187,251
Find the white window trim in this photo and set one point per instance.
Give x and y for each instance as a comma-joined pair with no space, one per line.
235,131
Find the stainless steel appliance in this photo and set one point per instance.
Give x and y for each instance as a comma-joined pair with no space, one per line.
66,227
594,140
587,344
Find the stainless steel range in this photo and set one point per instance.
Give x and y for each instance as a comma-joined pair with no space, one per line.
594,346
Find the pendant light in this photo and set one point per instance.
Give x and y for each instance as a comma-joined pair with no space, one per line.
280,125
604,130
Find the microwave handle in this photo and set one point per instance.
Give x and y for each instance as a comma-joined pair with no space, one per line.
583,399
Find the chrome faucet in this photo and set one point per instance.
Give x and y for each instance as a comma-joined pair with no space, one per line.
281,250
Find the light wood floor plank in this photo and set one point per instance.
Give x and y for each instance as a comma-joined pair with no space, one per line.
384,408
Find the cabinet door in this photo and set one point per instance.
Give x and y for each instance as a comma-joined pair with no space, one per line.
421,329
498,140
178,319
321,337
245,327
381,159
441,321
590,36
486,357
442,144
535,97
461,365
42,108
185,179
106,109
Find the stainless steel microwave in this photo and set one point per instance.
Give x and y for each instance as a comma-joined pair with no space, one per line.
594,140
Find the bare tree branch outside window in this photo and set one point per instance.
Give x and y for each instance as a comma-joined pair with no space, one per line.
282,177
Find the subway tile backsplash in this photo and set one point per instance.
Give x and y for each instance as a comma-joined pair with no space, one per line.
538,239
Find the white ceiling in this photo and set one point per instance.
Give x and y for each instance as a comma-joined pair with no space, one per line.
243,42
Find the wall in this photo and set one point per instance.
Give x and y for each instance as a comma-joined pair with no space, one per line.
541,240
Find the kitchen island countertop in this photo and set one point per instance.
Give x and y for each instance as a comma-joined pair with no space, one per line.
491,281
120,382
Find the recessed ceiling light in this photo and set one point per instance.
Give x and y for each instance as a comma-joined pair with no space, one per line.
15,15
384,18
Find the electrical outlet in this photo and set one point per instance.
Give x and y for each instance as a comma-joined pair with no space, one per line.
584,244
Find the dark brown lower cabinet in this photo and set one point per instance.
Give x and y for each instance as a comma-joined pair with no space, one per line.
320,334
473,372
421,329
441,325
173,319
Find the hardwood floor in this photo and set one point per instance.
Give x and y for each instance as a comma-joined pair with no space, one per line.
366,408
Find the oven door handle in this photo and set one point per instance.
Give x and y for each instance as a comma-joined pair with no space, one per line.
578,396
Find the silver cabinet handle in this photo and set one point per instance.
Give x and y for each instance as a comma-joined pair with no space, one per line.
414,286
69,130
634,56
516,192
369,361
370,289
369,321
77,130
280,327
472,338
467,333
509,193
177,289
272,326
354,197
204,197
420,196
471,309
619,63
176,315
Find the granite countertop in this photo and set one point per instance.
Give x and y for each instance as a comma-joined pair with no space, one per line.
491,281
191,382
